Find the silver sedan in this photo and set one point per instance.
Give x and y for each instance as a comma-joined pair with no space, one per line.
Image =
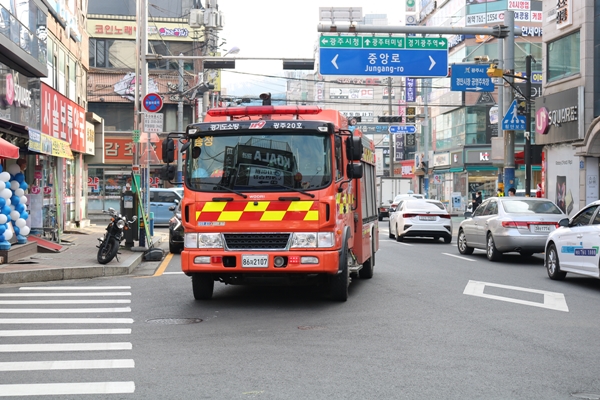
509,224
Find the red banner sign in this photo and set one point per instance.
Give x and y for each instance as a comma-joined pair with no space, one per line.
63,119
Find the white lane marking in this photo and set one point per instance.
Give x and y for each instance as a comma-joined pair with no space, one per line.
68,364
462,258
101,301
63,310
172,273
62,332
66,321
75,288
20,348
552,300
63,294
36,389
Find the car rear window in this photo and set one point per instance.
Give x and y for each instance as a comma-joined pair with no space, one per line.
530,207
422,205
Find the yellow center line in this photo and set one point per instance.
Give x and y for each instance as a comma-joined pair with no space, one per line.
163,265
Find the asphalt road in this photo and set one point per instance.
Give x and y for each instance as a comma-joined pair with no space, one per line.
431,324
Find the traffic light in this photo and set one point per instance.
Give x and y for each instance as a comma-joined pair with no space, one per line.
168,151
167,172
495,72
390,119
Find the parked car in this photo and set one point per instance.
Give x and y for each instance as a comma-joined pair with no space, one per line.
420,218
160,201
176,230
509,224
573,247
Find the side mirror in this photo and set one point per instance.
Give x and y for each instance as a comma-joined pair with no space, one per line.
354,148
172,208
168,151
355,170
564,222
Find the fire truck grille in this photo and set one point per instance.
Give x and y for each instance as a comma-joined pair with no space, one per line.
256,241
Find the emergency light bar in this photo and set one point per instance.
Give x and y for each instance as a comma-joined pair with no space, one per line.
261,110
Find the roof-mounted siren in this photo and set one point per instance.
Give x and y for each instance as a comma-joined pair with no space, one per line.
196,18
266,99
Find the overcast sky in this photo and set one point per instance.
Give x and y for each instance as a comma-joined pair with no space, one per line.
280,29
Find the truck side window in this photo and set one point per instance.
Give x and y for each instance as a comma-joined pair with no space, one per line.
339,164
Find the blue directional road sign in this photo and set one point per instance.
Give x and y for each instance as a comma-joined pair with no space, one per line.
384,62
402,129
470,78
512,121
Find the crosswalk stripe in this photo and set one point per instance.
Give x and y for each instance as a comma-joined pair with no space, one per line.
62,332
20,348
100,301
66,321
63,310
64,294
74,288
68,364
34,389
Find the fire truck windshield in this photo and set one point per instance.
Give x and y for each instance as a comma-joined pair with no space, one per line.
254,161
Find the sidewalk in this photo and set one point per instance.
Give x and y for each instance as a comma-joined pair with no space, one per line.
77,260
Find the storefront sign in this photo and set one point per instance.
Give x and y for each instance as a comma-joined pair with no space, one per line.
441,160
63,119
119,150
456,159
90,139
564,13
478,156
407,169
46,144
112,29
19,101
561,112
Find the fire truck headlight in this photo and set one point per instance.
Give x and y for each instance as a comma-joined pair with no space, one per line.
190,240
312,239
210,241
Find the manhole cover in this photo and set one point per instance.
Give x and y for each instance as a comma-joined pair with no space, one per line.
310,327
588,396
174,321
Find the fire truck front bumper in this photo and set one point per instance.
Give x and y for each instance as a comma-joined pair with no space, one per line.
290,262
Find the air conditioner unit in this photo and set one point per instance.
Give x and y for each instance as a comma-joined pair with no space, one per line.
196,18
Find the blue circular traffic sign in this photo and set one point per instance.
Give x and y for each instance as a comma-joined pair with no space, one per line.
152,102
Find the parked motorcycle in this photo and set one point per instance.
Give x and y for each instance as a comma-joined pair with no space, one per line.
109,245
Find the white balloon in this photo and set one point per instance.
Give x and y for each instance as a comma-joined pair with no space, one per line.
8,234
15,215
2,186
4,176
25,230
14,185
3,219
20,223
19,192
6,193
23,200
9,203
14,169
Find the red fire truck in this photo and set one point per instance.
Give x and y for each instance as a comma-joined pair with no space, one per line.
278,194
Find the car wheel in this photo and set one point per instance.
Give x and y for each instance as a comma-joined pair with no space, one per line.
399,238
202,286
447,239
461,243
366,272
391,235
492,252
553,265
526,253
175,248
380,217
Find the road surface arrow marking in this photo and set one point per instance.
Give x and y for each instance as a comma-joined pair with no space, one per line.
334,61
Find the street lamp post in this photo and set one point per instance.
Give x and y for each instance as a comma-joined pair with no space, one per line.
527,96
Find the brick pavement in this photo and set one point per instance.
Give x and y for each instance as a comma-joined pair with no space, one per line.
76,260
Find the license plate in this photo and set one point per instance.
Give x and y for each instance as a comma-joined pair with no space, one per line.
542,228
427,218
255,261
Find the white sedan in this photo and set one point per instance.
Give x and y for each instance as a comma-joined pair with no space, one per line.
420,218
573,247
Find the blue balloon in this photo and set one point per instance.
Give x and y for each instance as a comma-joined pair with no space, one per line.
17,230
2,229
2,202
6,210
20,177
15,200
24,215
20,208
24,185
1,169
2,238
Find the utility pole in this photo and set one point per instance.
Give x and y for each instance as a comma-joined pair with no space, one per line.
501,109
509,136
390,141
180,119
527,96
425,129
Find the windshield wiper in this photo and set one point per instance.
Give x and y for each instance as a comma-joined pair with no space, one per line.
293,189
231,190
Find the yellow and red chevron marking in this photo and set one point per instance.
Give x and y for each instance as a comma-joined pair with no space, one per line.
261,211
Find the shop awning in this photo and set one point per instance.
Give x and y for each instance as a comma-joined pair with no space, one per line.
8,150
